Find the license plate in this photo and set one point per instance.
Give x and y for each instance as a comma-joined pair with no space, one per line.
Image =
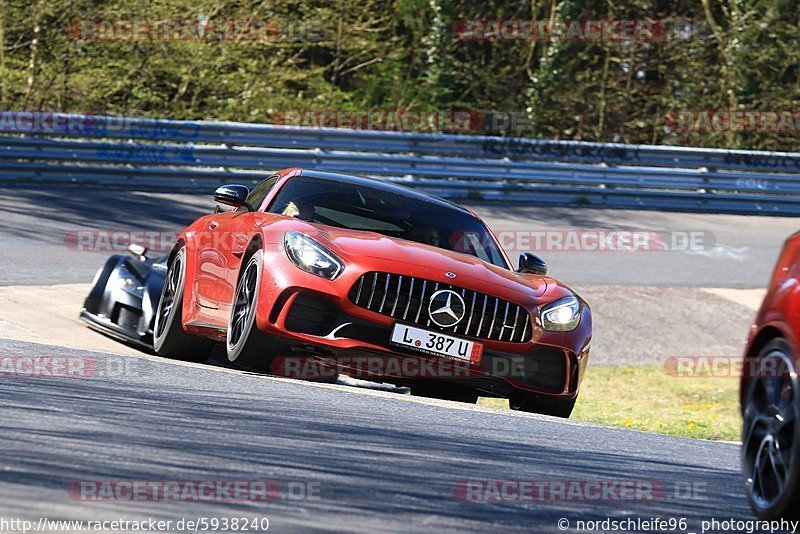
437,344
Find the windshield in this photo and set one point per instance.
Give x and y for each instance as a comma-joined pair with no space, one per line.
361,207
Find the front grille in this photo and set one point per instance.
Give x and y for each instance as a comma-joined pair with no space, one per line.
406,298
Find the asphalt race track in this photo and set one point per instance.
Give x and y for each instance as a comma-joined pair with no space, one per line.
735,251
380,460
347,458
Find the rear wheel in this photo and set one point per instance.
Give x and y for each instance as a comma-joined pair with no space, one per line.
169,338
542,405
247,346
771,434
446,391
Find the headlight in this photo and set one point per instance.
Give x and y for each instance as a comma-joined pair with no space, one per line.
563,314
312,257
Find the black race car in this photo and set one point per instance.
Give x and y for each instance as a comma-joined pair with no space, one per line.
124,295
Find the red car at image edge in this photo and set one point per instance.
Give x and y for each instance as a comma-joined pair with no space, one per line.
769,395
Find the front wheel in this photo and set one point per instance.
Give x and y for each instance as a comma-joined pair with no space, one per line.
542,405
247,346
169,338
771,434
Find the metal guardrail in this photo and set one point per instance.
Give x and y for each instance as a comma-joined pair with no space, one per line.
153,152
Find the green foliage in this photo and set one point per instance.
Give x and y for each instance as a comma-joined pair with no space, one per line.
703,407
394,55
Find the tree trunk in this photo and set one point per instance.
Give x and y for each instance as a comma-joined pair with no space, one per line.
33,60
3,75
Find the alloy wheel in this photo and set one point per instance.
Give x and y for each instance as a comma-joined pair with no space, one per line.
769,430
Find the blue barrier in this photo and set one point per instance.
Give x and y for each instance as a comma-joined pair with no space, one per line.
155,152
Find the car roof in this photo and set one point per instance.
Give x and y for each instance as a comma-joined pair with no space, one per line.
386,186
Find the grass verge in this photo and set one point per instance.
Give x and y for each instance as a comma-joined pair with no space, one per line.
647,398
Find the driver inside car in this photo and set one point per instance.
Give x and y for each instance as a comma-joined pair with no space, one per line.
299,209
425,234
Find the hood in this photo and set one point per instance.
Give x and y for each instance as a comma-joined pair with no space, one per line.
425,261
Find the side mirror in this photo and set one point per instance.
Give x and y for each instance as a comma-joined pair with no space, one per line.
531,263
233,195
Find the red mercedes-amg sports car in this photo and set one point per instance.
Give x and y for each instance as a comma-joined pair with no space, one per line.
770,396
377,281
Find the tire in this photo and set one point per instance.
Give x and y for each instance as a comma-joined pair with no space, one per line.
169,338
771,434
542,405
446,391
246,345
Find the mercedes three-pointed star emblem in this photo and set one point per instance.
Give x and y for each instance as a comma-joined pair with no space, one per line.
446,308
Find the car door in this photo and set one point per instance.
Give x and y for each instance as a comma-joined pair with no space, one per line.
217,245
220,252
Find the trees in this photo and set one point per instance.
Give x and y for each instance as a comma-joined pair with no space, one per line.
405,55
